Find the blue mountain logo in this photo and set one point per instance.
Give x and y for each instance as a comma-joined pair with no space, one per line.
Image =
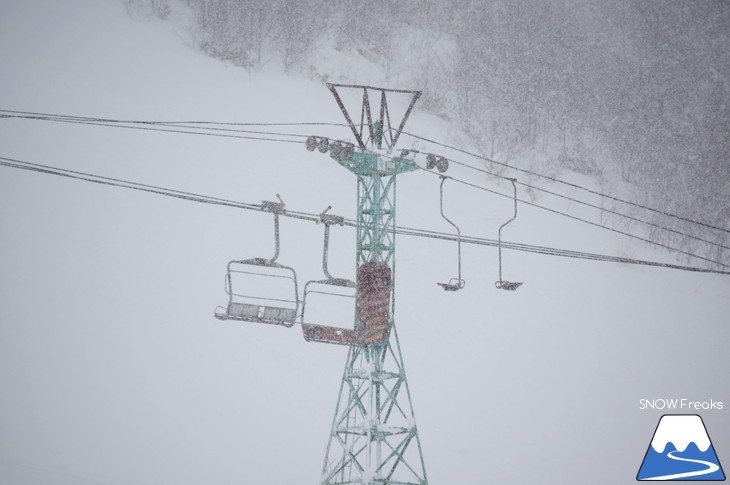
681,450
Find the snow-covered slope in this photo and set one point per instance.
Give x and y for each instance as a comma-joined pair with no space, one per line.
113,369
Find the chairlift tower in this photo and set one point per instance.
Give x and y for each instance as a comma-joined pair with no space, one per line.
374,438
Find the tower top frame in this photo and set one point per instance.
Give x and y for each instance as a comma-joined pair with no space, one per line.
381,129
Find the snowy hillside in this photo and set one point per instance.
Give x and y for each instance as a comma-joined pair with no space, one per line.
113,369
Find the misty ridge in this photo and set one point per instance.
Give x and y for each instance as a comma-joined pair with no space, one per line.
633,94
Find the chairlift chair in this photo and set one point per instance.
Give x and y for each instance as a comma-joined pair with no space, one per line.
457,283
331,287
503,284
259,276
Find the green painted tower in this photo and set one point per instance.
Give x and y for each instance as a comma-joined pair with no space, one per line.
374,438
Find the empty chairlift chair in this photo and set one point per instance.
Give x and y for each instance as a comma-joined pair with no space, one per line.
332,288
259,289
457,283
501,283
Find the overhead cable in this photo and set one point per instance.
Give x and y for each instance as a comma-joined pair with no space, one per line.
479,187
570,184
109,181
173,126
588,204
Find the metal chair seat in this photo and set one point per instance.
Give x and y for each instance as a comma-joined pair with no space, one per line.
260,313
454,284
328,335
507,285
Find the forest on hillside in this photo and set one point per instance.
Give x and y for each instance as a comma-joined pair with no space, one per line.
635,91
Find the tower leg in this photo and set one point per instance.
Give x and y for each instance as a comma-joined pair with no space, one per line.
374,438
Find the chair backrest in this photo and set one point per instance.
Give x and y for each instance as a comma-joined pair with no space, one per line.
261,291
329,302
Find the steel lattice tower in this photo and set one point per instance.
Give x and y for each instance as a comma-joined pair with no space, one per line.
374,438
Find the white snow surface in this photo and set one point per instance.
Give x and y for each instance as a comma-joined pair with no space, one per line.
113,369
680,430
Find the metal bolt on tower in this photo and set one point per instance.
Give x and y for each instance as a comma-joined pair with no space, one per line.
374,438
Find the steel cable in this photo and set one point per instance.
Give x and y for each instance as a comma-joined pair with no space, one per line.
109,181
